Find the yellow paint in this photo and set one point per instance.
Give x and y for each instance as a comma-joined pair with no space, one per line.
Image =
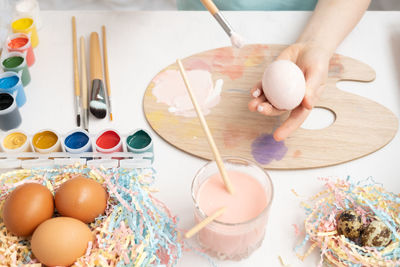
26,25
159,119
44,140
256,57
14,140
22,24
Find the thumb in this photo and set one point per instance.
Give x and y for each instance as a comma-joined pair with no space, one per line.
314,88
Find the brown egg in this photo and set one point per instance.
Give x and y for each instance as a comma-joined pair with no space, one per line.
60,241
26,207
81,198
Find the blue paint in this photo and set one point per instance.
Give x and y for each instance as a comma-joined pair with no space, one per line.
265,149
8,82
11,83
76,140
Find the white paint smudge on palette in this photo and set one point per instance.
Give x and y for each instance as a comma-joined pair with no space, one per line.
170,89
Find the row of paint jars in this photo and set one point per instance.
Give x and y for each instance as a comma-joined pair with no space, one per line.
15,61
77,141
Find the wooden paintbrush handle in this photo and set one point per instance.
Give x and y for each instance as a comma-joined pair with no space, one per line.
96,69
84,75
105,57
75,52
209,4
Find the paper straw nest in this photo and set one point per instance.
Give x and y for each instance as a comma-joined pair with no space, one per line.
368,199
136,229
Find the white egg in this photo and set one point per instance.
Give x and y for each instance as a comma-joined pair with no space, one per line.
284,84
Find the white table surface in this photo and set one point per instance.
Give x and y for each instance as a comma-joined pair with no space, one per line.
142,43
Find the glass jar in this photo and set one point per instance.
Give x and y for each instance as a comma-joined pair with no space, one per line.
232,241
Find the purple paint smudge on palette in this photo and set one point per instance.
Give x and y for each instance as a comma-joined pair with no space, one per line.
265,149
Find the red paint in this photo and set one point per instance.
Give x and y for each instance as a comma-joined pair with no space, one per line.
22,44
108,139
18,42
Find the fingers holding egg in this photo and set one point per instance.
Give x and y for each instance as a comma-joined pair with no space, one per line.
254,103
257,91
294,121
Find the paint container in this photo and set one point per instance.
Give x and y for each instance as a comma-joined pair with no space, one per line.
16,62
10,117
46,141
26,25
16,141
10,82
21,42
108,141
29,8
240,230
139,141
77,141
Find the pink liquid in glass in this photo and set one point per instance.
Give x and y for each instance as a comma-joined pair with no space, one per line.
241,229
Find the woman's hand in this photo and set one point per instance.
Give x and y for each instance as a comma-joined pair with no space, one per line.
314,62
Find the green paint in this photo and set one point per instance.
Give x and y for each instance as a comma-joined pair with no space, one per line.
13,62
139,140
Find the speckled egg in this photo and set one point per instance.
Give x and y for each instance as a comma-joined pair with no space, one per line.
349,224
376,234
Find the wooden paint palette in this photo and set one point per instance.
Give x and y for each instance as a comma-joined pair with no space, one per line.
361,126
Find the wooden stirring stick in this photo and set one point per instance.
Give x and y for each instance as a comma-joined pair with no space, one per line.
204,222
210,139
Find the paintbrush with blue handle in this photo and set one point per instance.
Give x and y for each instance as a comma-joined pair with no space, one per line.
97,103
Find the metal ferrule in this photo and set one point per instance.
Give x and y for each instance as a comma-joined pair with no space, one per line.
98,91
85,114
224,24
78,104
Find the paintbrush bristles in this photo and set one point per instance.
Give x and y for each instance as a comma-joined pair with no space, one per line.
207,131
204,222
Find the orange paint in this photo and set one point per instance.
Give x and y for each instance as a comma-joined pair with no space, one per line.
223,57
233,71
297,154
231,136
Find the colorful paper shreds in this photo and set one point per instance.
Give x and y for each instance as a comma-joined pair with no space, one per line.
369,199
136,229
